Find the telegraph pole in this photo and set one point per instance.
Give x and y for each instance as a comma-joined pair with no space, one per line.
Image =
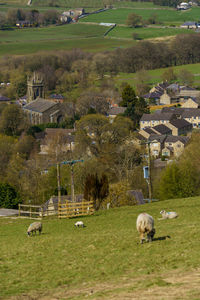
71,163
58,182
149,172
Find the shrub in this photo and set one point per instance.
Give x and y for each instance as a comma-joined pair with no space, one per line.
9,198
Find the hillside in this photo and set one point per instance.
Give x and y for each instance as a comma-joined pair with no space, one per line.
104,260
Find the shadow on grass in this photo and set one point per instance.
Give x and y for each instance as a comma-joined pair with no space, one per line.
162,238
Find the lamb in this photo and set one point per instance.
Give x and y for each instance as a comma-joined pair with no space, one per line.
168,215
145,224
79,224
34,227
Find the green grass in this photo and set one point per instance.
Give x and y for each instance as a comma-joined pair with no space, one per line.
155,76
66,37
145,33
167,16
106,250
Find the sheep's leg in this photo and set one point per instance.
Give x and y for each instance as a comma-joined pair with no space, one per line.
142,238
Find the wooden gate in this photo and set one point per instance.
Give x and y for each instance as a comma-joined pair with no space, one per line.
75,209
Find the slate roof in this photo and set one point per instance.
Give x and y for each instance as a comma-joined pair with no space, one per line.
191,112
180,123
149,130
157,116
174,139
40,105
57,96
51,133
172,109
162,129
3,98
157,137
116,110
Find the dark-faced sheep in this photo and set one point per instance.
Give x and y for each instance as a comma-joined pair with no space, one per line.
168,215
145,225
34,227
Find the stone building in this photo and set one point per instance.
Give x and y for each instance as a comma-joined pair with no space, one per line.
42,111
35,87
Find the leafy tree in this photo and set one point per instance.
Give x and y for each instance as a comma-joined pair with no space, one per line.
134,20
90,102
13,120
7,145
25,146
118,195
96,189
169,75
8,196
186,77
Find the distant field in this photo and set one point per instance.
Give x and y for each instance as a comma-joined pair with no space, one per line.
155,75
145,33
52,33
86,44
167,16
104,260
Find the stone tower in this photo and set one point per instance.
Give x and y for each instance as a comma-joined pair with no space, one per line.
35,87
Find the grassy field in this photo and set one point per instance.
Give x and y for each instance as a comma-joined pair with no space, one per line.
105,254
166,16
145,33
66,37
155,76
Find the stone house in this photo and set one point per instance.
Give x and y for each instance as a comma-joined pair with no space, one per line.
190,103
158,129
42,111
192,115
114,111
151,120
156,144
179,127
4,99
174,145
165,98
53,136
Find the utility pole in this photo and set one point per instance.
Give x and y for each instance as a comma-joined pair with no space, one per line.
58,183
71,163
149,172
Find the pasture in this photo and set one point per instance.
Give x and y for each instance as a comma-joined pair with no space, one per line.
104,260
145,33
65,37
155,76
166,16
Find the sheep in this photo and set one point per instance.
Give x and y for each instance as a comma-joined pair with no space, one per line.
145,224
168,215
34,227
79,224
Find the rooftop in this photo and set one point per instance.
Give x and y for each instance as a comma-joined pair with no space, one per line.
40,105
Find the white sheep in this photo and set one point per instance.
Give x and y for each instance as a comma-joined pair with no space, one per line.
168,215
145,224
34,227
79,224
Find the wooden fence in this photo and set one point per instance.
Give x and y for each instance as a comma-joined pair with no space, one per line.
30,210
75,209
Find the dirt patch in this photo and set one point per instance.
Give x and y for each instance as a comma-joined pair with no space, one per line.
175,285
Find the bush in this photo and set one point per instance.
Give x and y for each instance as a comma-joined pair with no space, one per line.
9,198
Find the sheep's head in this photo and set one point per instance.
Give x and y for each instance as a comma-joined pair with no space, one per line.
162,212
150,235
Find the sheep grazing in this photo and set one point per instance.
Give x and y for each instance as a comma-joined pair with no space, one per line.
34,227
79,224
145,224
168,215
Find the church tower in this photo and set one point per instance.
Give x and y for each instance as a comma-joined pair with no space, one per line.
35,87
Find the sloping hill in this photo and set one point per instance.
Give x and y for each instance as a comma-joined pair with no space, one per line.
104,260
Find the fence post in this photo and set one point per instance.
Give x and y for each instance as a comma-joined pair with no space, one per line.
30,211
19,208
